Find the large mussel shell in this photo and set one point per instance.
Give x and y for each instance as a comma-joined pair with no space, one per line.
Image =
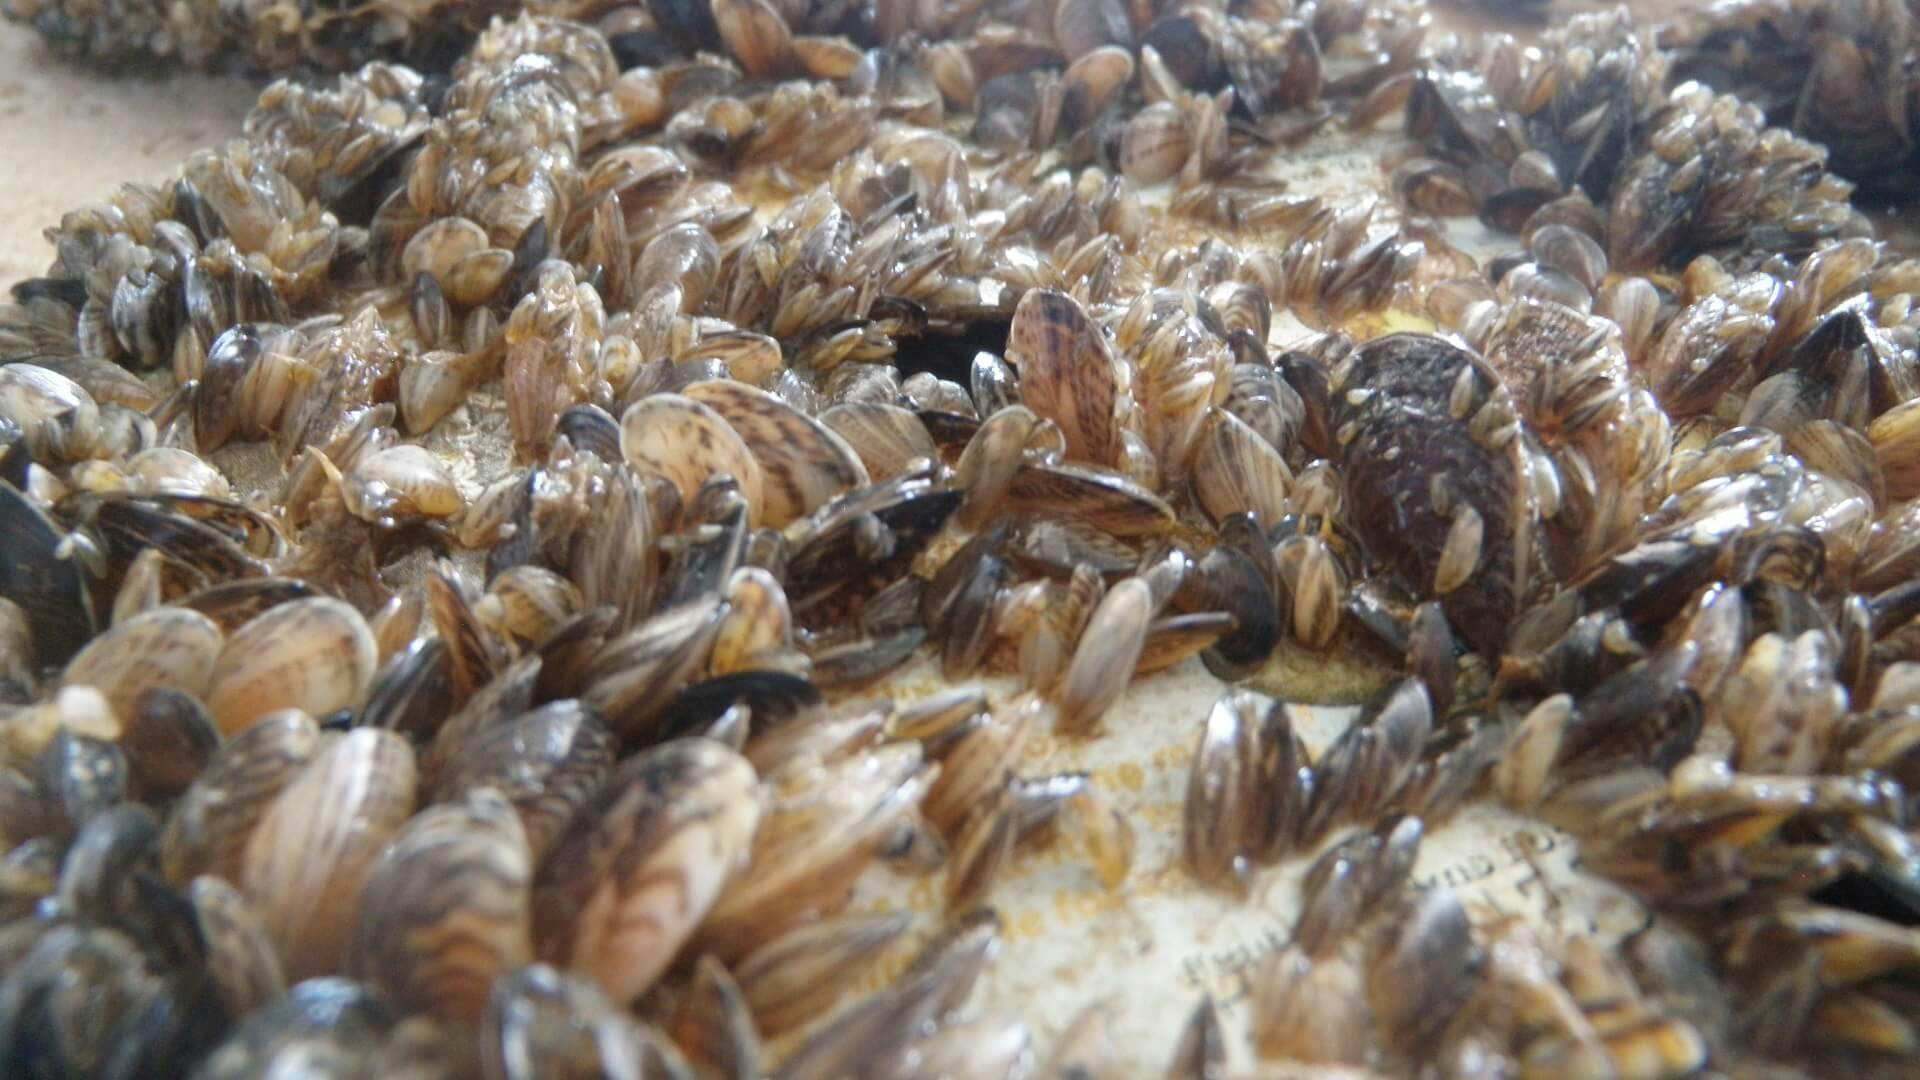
1404,439
48,584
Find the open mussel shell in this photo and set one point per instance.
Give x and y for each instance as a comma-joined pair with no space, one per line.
802,462
51,591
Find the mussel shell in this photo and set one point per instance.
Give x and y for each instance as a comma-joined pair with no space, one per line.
547,762
169,739
774,697
165,648
315,846
51,590
825,570
1403,438
79,776
233,604
208,827
446,911
326,1026
642,862
315,654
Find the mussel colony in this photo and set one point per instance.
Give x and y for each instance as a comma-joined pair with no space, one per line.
461,538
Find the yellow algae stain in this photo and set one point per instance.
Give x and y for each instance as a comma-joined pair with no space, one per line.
1127,776
1026,926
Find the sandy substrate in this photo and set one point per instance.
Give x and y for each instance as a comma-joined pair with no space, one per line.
69,136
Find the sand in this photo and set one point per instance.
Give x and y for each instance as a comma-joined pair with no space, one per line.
70,135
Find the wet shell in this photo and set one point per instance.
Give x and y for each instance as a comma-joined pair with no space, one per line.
401,482
992,460
515,240
209,826
979,764
757,626
542,1023
1104,500
754,32
446,910
316,654
169,470
629,677
236,603
803,463
529,603
823,827
687,442
713,1026
886,437
1157,143
1222,822
1067,373
1423,973
169,740
169,648
1896,442
436,248
1310,1010
799,975
1412,468
1237,471
240,956
547,762
315,846
58,420
1106,655
643,861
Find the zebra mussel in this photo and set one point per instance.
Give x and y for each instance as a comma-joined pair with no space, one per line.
627,540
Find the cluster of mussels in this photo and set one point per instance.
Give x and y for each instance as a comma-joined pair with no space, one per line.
463,536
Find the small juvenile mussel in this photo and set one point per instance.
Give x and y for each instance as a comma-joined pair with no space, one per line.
504,560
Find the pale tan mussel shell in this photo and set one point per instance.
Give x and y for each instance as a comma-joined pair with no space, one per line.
315,654
887,437
1237,471
447,909
547,762
167,647
687,442
799,975
641,864
312,852
802,462
399,483
208,828
820,832
1067,373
